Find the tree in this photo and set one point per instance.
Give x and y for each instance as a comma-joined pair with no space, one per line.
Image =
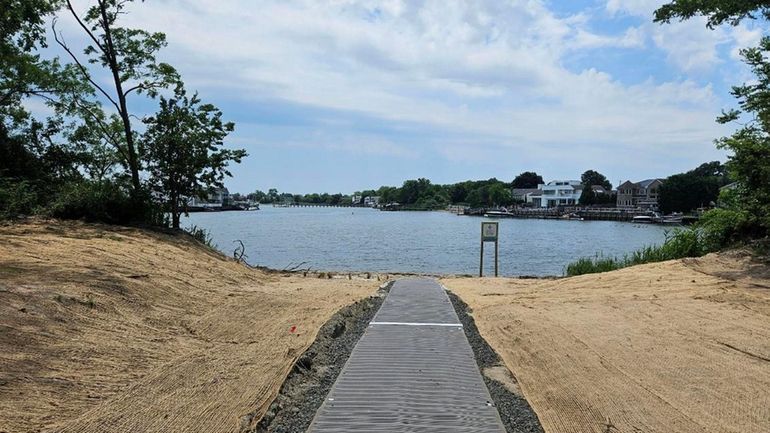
528,179
699,187
592,177
22,72
129,57
716,11
184,151
749,162
499,195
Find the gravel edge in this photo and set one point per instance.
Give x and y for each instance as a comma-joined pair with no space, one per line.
315,372
515,412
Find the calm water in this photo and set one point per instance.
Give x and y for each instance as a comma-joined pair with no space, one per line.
344,239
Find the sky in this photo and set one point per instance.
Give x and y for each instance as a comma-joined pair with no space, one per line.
346,95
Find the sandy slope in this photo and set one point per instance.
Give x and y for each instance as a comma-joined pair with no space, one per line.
681,346
116,330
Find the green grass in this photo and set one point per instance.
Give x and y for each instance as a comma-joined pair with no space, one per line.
678,244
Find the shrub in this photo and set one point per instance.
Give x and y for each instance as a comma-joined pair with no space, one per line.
678,244
724,227
17,198
106,202
201,235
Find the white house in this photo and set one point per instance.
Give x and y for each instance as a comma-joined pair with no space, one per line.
560,193
372,201
217,197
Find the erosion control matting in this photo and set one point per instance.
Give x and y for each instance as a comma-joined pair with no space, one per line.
515,412
316,370
412,370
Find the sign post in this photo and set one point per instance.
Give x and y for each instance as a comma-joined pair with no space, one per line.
489,233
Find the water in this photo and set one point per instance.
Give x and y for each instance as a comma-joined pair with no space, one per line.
359,239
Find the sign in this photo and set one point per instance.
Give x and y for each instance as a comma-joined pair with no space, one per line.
489,232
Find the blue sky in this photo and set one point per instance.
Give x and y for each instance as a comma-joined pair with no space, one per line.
345,95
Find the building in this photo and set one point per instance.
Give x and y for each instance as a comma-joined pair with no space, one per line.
525,195
560,193
372,201
356,199
216,198
643,194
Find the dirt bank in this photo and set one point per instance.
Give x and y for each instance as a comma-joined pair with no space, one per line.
681,346
106,329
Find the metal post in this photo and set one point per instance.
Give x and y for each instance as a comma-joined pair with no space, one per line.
495,259
481,260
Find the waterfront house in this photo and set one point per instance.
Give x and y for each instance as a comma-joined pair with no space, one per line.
372,201
356,199
525,195
643,194
217,197
560,193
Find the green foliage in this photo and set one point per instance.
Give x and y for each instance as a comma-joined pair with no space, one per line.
129,55
201,235
593,177
678,244
749,162
106,202
721,228
527,179
747,208
17,198
697,188
183,150
717,11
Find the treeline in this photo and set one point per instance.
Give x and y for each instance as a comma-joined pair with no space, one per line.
418,194
93,157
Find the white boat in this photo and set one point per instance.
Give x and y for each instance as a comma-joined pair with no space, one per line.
643,219
497,214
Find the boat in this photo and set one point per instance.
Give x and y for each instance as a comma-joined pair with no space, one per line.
673,219
643,219
497,214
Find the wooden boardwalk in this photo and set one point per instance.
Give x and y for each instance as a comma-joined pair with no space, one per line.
412,371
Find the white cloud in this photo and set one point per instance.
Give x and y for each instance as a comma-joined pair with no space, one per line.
480,68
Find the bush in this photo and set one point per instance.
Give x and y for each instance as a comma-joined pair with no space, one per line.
106,202
17,198
201,235
724,227
678,244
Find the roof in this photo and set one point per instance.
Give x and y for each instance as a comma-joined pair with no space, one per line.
524,191
645,183
598,188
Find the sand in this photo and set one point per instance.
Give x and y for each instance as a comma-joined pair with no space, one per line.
680,346
106,329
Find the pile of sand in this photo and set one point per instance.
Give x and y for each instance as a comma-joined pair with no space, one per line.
681,346
110,329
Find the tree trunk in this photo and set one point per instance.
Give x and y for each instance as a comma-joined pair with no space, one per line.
175,212
133,163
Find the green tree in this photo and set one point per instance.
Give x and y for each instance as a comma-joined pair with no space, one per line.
593,177
499,195
716,11
527,179
129,57
184,150
699,187
749,161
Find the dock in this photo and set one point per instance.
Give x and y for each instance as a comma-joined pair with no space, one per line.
413,370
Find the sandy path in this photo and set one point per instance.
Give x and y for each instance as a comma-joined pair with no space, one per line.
110,330
668,347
